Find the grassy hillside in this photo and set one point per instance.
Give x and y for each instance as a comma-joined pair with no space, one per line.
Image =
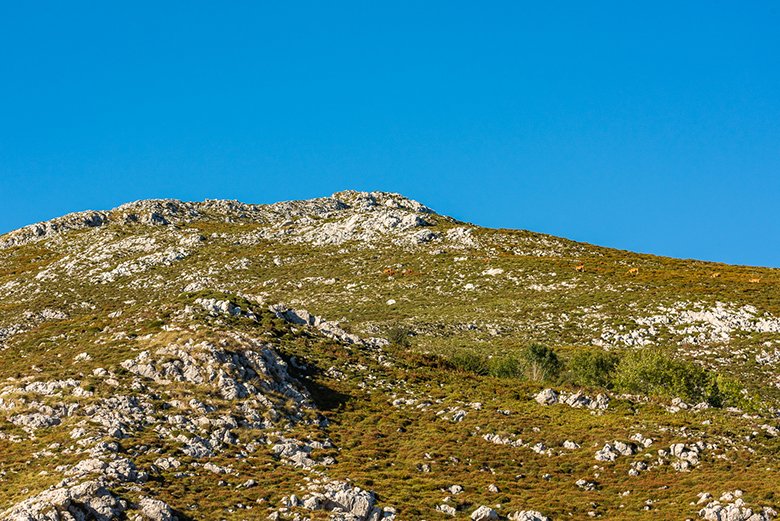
142,339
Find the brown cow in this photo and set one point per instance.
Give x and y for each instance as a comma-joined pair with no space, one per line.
580,267
633,271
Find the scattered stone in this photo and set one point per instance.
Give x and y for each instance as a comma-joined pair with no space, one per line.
484,513
528,515
584,484
446,509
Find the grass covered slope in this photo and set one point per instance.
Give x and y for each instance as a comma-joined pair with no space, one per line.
148,369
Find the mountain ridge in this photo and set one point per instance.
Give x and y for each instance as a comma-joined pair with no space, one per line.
160,210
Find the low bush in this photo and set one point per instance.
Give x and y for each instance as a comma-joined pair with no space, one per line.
470,363
594,367
541,363
537,362
400,335
656,373
506,366
732,394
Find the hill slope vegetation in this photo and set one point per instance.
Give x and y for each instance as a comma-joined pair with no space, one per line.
361,357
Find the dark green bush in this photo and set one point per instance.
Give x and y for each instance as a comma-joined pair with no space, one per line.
506,366
593,367
470,363
541,363
415,360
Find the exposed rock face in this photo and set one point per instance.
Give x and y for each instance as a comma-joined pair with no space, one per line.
528,515
547,397
155,510
345,216
74,221
611,451
87,500
330,329
447,509
576,400
253,369
698,323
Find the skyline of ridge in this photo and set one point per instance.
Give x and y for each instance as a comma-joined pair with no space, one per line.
337,193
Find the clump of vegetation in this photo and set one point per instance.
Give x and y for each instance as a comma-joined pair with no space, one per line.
593,367
656,373
541,363
506,366
400,335
537,362
731,393
470,363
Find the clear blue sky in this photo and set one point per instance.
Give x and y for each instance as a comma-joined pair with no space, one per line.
650,126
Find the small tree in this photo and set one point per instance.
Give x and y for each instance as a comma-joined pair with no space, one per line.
541,363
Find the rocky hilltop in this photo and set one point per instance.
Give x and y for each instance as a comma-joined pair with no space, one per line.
362,357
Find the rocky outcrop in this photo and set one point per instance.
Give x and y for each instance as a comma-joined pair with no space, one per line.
484,513
611,451
343,217
576,400
343,500
250,369
43,230
528,515
328,328
65,502
696,323
87,500
731,507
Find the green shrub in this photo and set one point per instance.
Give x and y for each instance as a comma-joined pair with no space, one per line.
541,363
732,394
506,366
593,367
416,360
470,363
400,335
654,372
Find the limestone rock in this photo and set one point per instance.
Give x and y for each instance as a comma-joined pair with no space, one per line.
484,513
